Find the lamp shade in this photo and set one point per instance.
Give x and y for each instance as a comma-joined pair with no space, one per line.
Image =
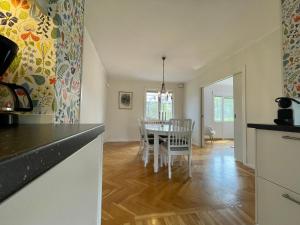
8,51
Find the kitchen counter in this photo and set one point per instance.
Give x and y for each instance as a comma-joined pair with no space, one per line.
28,151
274,127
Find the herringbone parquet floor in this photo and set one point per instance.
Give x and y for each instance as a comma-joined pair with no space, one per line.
221,191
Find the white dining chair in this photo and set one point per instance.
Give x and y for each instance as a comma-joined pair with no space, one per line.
153,121
141,137
148,148
211,133
179,142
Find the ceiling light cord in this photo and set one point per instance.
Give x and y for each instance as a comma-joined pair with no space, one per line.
163,89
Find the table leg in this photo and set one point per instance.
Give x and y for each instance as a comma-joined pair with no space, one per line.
156,152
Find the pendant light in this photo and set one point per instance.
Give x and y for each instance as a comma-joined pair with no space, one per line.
163,86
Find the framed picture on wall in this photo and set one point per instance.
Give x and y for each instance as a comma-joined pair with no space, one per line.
125,100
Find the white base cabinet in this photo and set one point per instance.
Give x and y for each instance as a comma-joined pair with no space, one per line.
277,178
68,194
273,208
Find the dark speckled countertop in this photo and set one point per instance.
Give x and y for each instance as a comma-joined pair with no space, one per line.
274,127
28,151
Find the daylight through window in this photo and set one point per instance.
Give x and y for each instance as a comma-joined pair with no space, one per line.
155,106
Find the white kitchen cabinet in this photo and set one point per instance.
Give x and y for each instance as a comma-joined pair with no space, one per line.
68,194
277,176
274,207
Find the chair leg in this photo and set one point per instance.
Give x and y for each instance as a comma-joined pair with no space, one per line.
190,165
140,146
140,153
146,158
165,159
169,167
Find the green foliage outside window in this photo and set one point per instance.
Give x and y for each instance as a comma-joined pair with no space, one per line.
154,105
223,109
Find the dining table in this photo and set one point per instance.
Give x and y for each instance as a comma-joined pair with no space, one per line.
157,130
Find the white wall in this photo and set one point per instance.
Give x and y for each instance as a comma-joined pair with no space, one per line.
223,129
93,86
122,124
263,63
93,99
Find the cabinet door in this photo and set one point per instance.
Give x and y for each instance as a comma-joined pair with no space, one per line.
274,208
68,194
278,158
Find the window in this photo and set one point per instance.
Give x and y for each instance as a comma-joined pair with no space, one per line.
223,109
218,108
228,109
155,106
151,105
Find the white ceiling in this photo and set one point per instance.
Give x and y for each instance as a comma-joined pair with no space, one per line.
132,35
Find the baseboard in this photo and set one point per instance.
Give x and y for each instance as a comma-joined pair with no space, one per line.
196,144
249,165
121,140
220,139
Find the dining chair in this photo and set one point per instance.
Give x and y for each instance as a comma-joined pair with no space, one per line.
148,145
141,137
148,148
153,121
211,133
179,142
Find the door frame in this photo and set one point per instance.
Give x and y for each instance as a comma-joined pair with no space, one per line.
242,73
244,116
201,121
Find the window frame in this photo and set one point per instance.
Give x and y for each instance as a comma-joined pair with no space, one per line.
159,103
222,109
214,111
228,97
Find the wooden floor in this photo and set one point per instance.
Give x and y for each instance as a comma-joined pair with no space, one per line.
221,191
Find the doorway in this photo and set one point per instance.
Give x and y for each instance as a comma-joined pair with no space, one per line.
223,114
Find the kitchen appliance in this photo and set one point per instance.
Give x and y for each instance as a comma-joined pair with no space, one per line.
289,111
13,98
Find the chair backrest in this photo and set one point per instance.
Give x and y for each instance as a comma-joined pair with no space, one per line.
180,133
193,126
153,121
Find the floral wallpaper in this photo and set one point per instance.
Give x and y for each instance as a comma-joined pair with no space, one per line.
34,66
291,47
49,61
69,16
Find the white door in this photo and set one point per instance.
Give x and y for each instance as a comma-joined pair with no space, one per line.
239,117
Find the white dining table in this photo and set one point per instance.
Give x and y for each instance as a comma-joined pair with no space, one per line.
156,130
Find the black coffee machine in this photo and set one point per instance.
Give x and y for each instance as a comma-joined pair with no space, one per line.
17,98
289,111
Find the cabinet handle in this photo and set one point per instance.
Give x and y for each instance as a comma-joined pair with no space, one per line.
291,138
287,196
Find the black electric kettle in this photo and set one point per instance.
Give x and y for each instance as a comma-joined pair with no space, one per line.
16,97
8,51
